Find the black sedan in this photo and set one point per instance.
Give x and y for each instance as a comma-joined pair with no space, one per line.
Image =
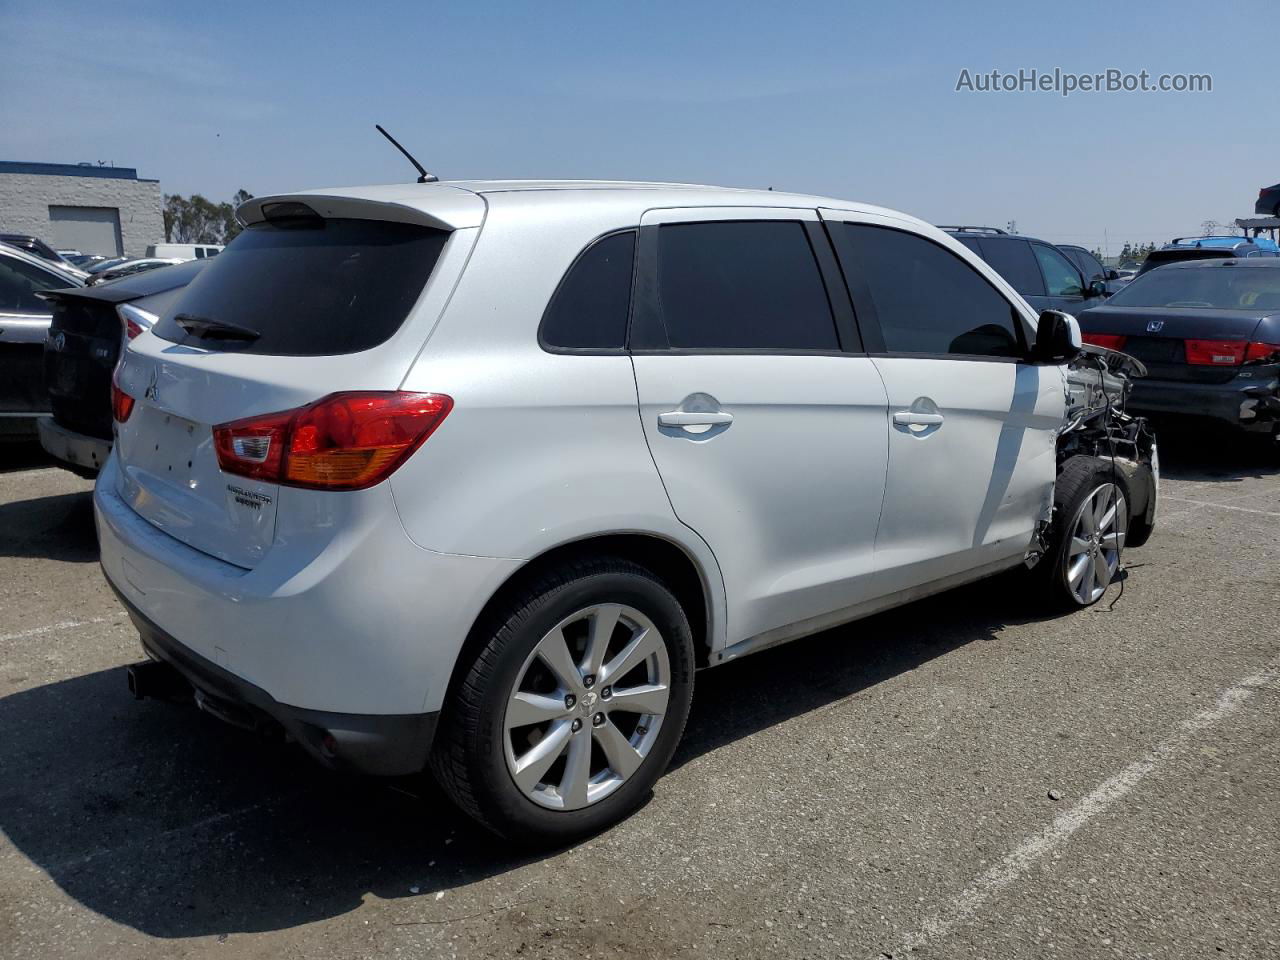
1208,332
90,325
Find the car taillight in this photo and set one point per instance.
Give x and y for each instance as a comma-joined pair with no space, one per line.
121,402
1112,341
345,441
1257,352
134,319
1215,353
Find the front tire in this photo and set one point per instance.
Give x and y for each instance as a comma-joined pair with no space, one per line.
1090,523
572,704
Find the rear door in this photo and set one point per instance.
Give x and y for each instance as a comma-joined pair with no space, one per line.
765,421
971,424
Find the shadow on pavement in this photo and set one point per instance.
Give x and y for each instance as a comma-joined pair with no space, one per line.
23,453
172,823
1205,455
57,527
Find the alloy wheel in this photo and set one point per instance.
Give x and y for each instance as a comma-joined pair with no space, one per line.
1097,536
587,706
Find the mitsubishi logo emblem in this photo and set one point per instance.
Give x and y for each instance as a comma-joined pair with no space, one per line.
1155,326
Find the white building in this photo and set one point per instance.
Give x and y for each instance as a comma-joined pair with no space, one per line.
102,210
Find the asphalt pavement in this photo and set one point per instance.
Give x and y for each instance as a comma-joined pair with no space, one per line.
966,777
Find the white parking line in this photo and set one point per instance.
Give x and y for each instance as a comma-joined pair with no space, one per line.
1221,506
50,628
1015,864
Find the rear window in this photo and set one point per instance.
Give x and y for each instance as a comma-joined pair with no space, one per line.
310,287
1217,287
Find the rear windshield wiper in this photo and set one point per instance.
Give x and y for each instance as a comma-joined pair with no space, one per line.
207,329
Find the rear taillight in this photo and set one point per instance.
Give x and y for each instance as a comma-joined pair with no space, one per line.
121,402
1215,353
1112,341
1260,352
345,441
134,319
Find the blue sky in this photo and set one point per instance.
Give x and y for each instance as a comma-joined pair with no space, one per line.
853,100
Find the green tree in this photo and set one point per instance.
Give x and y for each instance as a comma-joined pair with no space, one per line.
196,219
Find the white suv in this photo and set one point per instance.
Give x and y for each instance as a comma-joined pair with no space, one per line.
472,476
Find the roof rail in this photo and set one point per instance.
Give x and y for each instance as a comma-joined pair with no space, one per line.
972,229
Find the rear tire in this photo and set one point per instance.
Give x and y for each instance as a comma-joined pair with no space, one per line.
533,742
1085,548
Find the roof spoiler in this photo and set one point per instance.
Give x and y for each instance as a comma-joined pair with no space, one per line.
443,208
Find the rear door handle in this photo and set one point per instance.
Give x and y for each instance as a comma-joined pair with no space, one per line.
683,418
907,418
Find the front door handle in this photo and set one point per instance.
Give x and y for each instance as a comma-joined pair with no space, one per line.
685,418
908,418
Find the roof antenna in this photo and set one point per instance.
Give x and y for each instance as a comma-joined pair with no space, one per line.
424,176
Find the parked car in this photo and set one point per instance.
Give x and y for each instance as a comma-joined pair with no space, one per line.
1038,270
1268,204
129,267
1208,248
184,251
1208,332
38,248
103,265
90,326
24,321
474,475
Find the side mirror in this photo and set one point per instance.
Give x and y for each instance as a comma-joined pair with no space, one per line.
1113,274
1057,338
1096,288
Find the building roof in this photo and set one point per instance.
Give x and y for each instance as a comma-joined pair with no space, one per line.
72,170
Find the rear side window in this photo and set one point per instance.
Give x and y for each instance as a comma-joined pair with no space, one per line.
925,298
1014,261
750,284
589,310
309,286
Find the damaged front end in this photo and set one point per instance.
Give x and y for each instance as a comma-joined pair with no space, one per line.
1097,424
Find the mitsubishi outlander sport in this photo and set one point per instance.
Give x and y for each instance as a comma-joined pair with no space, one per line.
472,477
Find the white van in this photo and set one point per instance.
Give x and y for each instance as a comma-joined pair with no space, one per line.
184,251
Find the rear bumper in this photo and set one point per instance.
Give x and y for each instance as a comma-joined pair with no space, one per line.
378,744
82,453
357,620
1250,404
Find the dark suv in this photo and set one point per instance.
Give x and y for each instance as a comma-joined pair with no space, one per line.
1038,270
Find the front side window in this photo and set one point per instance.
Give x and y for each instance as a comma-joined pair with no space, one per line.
926,299
742,284
589,309
1061,278
1013,260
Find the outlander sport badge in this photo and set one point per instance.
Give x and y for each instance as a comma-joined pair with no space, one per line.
1155,326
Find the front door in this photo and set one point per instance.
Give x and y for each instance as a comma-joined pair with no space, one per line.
972,426
769,435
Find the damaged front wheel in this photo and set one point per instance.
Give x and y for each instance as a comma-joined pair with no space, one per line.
1090,522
